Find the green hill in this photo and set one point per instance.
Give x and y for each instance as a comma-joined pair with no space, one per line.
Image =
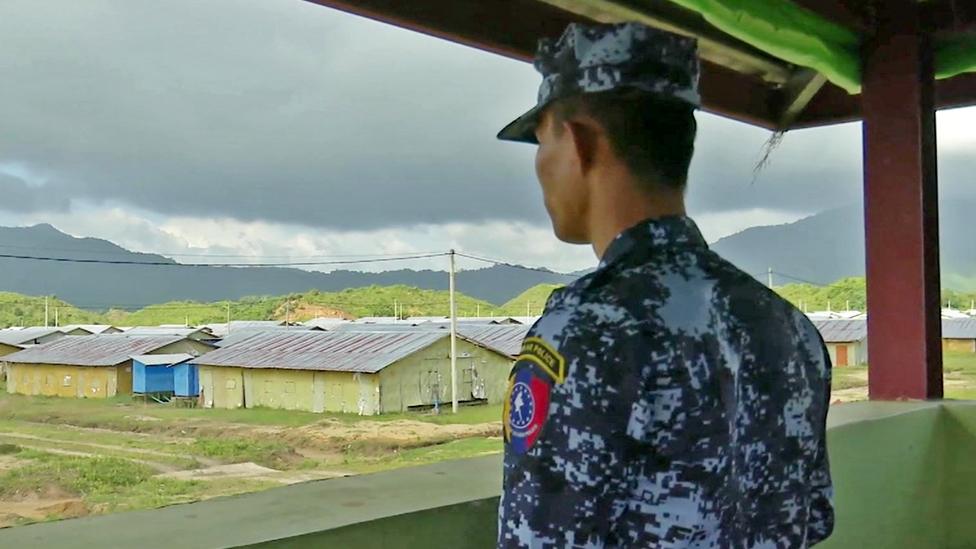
851,293
196,313
24,310
379,301
530,302
351,303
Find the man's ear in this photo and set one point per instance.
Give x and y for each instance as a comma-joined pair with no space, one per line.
585,136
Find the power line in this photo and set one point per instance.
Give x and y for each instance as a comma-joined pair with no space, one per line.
219,306
175,264
516,265
179,254
798,279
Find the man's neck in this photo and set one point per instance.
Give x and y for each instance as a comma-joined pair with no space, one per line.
618,204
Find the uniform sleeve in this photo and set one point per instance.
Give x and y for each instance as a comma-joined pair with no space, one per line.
821,523
569,489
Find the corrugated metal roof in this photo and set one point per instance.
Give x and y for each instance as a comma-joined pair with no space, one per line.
242,334
842,330
959,328
367,352
17,336
375,320
164,331
528,320
163,360
94,350
326,323
93,328
235,324
402,326
503,338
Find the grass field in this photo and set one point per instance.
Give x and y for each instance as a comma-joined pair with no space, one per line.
67,457
851,383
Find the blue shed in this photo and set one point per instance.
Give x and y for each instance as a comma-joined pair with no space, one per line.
156,373
186,380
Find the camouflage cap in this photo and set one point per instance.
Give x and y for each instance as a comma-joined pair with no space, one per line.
603,57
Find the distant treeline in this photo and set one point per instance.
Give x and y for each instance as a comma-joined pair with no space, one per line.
404,301
850,293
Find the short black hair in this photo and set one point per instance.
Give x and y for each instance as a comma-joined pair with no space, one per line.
653,135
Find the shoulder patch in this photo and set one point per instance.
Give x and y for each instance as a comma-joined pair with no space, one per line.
526,409
539,352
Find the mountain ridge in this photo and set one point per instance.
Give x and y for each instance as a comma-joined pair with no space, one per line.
102,286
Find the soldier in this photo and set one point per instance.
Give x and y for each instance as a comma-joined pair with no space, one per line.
667,399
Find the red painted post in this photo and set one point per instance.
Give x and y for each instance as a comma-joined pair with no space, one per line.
901,206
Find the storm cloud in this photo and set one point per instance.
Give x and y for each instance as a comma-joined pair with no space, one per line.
282,111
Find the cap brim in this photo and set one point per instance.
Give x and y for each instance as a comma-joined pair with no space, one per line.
522,129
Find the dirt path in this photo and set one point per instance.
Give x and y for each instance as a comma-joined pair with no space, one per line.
44,447
133,434
113,447
332,434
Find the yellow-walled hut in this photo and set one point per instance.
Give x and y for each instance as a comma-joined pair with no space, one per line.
846,340
959,334
96,366
353,372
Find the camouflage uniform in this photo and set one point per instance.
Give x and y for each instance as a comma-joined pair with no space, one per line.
666,400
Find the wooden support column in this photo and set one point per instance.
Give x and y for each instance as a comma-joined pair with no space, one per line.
901,206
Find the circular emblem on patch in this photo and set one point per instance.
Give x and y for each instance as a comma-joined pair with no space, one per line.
521,406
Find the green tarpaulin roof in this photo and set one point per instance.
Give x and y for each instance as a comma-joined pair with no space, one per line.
799,36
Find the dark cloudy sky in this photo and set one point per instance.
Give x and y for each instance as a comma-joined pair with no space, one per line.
281,128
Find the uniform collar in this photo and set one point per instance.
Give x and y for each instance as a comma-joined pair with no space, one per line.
658,233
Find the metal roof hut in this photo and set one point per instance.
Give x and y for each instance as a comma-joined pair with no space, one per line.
164,375
30,336
959,334
846,340
505,338
355,372
196,334
96,366
95,329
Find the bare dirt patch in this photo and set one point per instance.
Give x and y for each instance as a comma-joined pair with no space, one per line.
332,434
10,462
51,502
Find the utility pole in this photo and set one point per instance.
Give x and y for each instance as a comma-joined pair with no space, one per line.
396,313
46,308
454,397
57,322
287,311
769,277
228,317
